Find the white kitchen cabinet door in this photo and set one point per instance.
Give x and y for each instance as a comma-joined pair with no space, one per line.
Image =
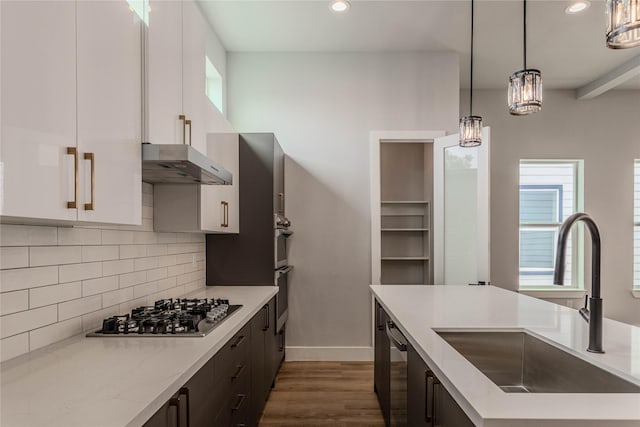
461,211
194,73
164,73
109,61
221,203
38,109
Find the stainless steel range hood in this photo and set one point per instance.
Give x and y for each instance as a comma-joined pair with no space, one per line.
180,164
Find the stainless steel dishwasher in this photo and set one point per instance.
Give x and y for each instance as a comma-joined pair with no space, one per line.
398,376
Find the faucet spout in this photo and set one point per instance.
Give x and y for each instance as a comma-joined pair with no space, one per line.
594,314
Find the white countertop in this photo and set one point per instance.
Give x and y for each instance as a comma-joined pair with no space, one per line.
114,382
419,309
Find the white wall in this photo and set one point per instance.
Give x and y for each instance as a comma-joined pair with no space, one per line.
322,108
602,131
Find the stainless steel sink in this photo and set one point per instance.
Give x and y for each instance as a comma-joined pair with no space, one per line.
519,363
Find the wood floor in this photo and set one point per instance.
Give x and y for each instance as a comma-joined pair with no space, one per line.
336,394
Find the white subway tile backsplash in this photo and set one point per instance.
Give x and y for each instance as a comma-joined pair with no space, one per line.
93,321
167,260
156,250
41,337
14,346
112,298
132,279
100,253
169,282
117,237
145,289
75,272
27,235
54,255
14,257
117,267
25,278
79,236
47,295
12,302
77,307
147,212
144,238
133,251
146,263
58,281
99,286
157,274
13,324
175,270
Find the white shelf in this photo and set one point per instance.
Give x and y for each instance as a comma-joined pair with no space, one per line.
404,229
405,258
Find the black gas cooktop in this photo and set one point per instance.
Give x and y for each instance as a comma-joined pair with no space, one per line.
180,317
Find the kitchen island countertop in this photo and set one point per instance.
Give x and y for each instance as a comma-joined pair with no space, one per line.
418,310
114,382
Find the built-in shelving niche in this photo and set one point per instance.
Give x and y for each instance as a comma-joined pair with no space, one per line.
406,188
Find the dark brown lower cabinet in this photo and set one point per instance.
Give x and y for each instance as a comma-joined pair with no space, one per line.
231,389
382,363
428,401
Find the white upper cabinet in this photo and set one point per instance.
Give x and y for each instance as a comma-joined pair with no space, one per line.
164,73
109,112
220,206
176,74
71,112
38,109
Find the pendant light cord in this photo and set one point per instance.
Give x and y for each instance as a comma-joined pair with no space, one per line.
524,33
471,72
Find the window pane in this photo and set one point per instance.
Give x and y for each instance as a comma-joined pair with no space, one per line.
537,250
547,196
539,204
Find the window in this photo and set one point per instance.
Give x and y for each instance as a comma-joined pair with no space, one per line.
550,191
213,84
140,8
636,225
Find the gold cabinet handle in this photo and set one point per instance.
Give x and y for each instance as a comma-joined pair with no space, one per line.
90,157
188,123
225,214
73,151
281,209
182,118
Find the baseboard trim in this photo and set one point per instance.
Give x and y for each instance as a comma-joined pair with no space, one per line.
329,354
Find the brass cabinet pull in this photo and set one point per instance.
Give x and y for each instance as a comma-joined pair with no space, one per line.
90,157
225,214
73,151
188,123
238,341
239,370
281,209
182,118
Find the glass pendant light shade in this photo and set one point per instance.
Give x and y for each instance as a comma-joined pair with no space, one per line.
525,92
623,23
470,131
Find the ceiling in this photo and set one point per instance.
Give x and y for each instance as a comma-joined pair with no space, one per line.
568,49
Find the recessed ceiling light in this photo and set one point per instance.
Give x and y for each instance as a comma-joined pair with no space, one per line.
340,5
577,7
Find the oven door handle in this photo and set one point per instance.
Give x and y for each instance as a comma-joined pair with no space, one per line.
284,270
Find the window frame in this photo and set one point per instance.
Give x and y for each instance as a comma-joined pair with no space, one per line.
577,239
635,278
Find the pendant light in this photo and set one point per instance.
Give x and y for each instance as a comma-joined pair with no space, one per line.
525,86
471,126
623,23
